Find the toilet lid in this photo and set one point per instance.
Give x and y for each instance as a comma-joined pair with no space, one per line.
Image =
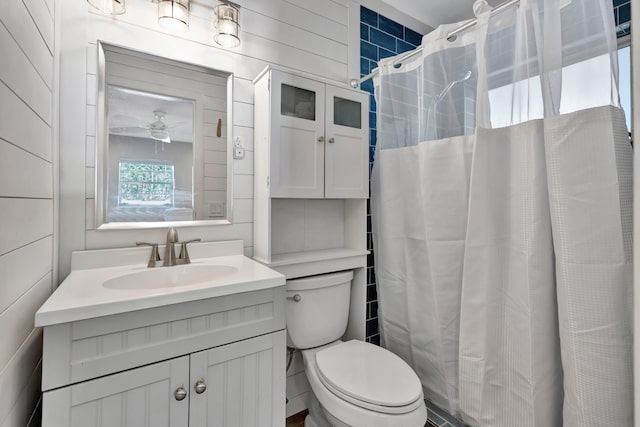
369,373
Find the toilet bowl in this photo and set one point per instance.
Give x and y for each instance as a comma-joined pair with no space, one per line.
360,384
353,383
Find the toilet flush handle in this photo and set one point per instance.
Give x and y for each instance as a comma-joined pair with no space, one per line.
296,298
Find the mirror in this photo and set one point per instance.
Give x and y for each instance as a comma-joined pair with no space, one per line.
162,150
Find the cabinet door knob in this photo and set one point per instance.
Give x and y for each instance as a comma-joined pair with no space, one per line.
321,139
200,387
332,140
180,393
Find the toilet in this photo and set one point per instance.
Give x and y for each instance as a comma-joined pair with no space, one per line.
353,383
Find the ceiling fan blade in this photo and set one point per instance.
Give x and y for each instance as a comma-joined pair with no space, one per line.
129,129
167,139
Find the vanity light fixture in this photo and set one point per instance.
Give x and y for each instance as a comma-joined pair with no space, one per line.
114,7
173,15
226,18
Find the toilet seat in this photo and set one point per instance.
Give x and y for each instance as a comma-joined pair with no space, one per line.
370,377
357,415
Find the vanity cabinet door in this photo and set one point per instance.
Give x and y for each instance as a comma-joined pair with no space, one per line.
240,384
297,137
140,397
347,144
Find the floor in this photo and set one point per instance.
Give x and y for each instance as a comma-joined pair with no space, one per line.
297,420
437,418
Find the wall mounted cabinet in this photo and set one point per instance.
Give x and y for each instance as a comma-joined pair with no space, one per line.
311,174
316,137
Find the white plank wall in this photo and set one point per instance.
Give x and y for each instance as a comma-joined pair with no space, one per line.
26,200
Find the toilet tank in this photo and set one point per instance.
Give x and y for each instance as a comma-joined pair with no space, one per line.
317,309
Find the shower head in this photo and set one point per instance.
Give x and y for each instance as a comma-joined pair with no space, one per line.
465,77
446,90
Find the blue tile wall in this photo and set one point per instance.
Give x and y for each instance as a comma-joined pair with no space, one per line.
380,37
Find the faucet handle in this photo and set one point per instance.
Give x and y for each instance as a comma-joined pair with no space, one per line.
184,255
155,255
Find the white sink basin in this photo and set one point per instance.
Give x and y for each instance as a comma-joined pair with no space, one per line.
169,277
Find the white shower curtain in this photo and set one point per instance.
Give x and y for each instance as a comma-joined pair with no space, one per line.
501,210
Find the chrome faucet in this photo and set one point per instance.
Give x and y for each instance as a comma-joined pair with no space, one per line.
169,258
170,249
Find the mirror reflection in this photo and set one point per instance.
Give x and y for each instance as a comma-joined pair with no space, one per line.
150,156
163,153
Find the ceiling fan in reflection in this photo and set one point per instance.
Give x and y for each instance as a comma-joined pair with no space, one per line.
157,130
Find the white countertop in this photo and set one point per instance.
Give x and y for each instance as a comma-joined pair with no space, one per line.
83,296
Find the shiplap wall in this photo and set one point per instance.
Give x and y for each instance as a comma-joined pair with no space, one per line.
320,37
26,200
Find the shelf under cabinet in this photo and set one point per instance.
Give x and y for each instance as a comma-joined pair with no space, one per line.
306,263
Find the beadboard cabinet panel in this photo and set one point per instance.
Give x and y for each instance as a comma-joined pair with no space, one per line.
245,384
139,397
85,349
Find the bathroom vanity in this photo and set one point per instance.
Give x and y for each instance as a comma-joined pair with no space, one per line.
190,345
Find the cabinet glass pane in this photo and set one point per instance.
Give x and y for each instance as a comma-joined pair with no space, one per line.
347,112
297,102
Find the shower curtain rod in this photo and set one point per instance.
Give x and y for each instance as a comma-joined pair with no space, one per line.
451,37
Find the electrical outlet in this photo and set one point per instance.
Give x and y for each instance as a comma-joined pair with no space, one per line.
238,148
238,153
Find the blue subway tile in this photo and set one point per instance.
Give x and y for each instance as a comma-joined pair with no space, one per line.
624,13
403,46
364,66
372,293
616,16
412,37
371,276
391,27
372,117
364,32
368,16
384,53
374,339
372,154
368,50
372,107
372,137
381,39
373,309
372,327
617,3
367,86
435,418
